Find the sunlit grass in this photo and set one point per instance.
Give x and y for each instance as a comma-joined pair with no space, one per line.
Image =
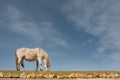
13,72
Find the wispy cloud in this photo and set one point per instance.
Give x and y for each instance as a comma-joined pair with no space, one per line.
101,18
43,31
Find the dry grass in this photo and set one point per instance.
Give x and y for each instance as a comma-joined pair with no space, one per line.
77,75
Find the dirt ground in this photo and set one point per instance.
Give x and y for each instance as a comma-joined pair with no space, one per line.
55,79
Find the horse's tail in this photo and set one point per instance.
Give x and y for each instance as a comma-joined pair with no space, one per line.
16,60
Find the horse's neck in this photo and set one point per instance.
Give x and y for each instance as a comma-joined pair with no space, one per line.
44,55
46,59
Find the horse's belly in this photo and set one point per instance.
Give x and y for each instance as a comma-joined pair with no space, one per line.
31,57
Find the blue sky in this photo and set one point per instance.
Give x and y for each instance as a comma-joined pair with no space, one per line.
76,34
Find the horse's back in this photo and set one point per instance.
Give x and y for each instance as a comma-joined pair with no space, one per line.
21,50
24,50
29,54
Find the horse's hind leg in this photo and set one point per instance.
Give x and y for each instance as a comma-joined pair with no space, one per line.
36,65
22,64
18,64
18,67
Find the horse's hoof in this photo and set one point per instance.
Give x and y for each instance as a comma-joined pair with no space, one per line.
41,70
25,69
18,69
36,70
47,69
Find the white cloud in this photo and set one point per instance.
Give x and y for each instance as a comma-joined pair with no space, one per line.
12,13
101,18
43,31
58,41
101,50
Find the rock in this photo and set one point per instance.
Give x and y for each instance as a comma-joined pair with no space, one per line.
111,75
104,75
79,75
55,76
60,77
23,75
108,76
99,76
15,76
65,76
31,75
84,76
90,76
40,76
49,76
96,76
116,75
1,75
8,75
46,76
76,75
72,75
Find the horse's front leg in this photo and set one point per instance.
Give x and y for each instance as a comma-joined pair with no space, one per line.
45,65
40,62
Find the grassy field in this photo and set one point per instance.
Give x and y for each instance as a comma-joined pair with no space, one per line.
57,72
60,74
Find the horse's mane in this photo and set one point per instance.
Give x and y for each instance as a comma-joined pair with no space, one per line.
46,56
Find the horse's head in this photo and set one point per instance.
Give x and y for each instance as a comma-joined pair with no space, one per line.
46,58
48,65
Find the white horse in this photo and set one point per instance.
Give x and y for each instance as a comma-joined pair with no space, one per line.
36,54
